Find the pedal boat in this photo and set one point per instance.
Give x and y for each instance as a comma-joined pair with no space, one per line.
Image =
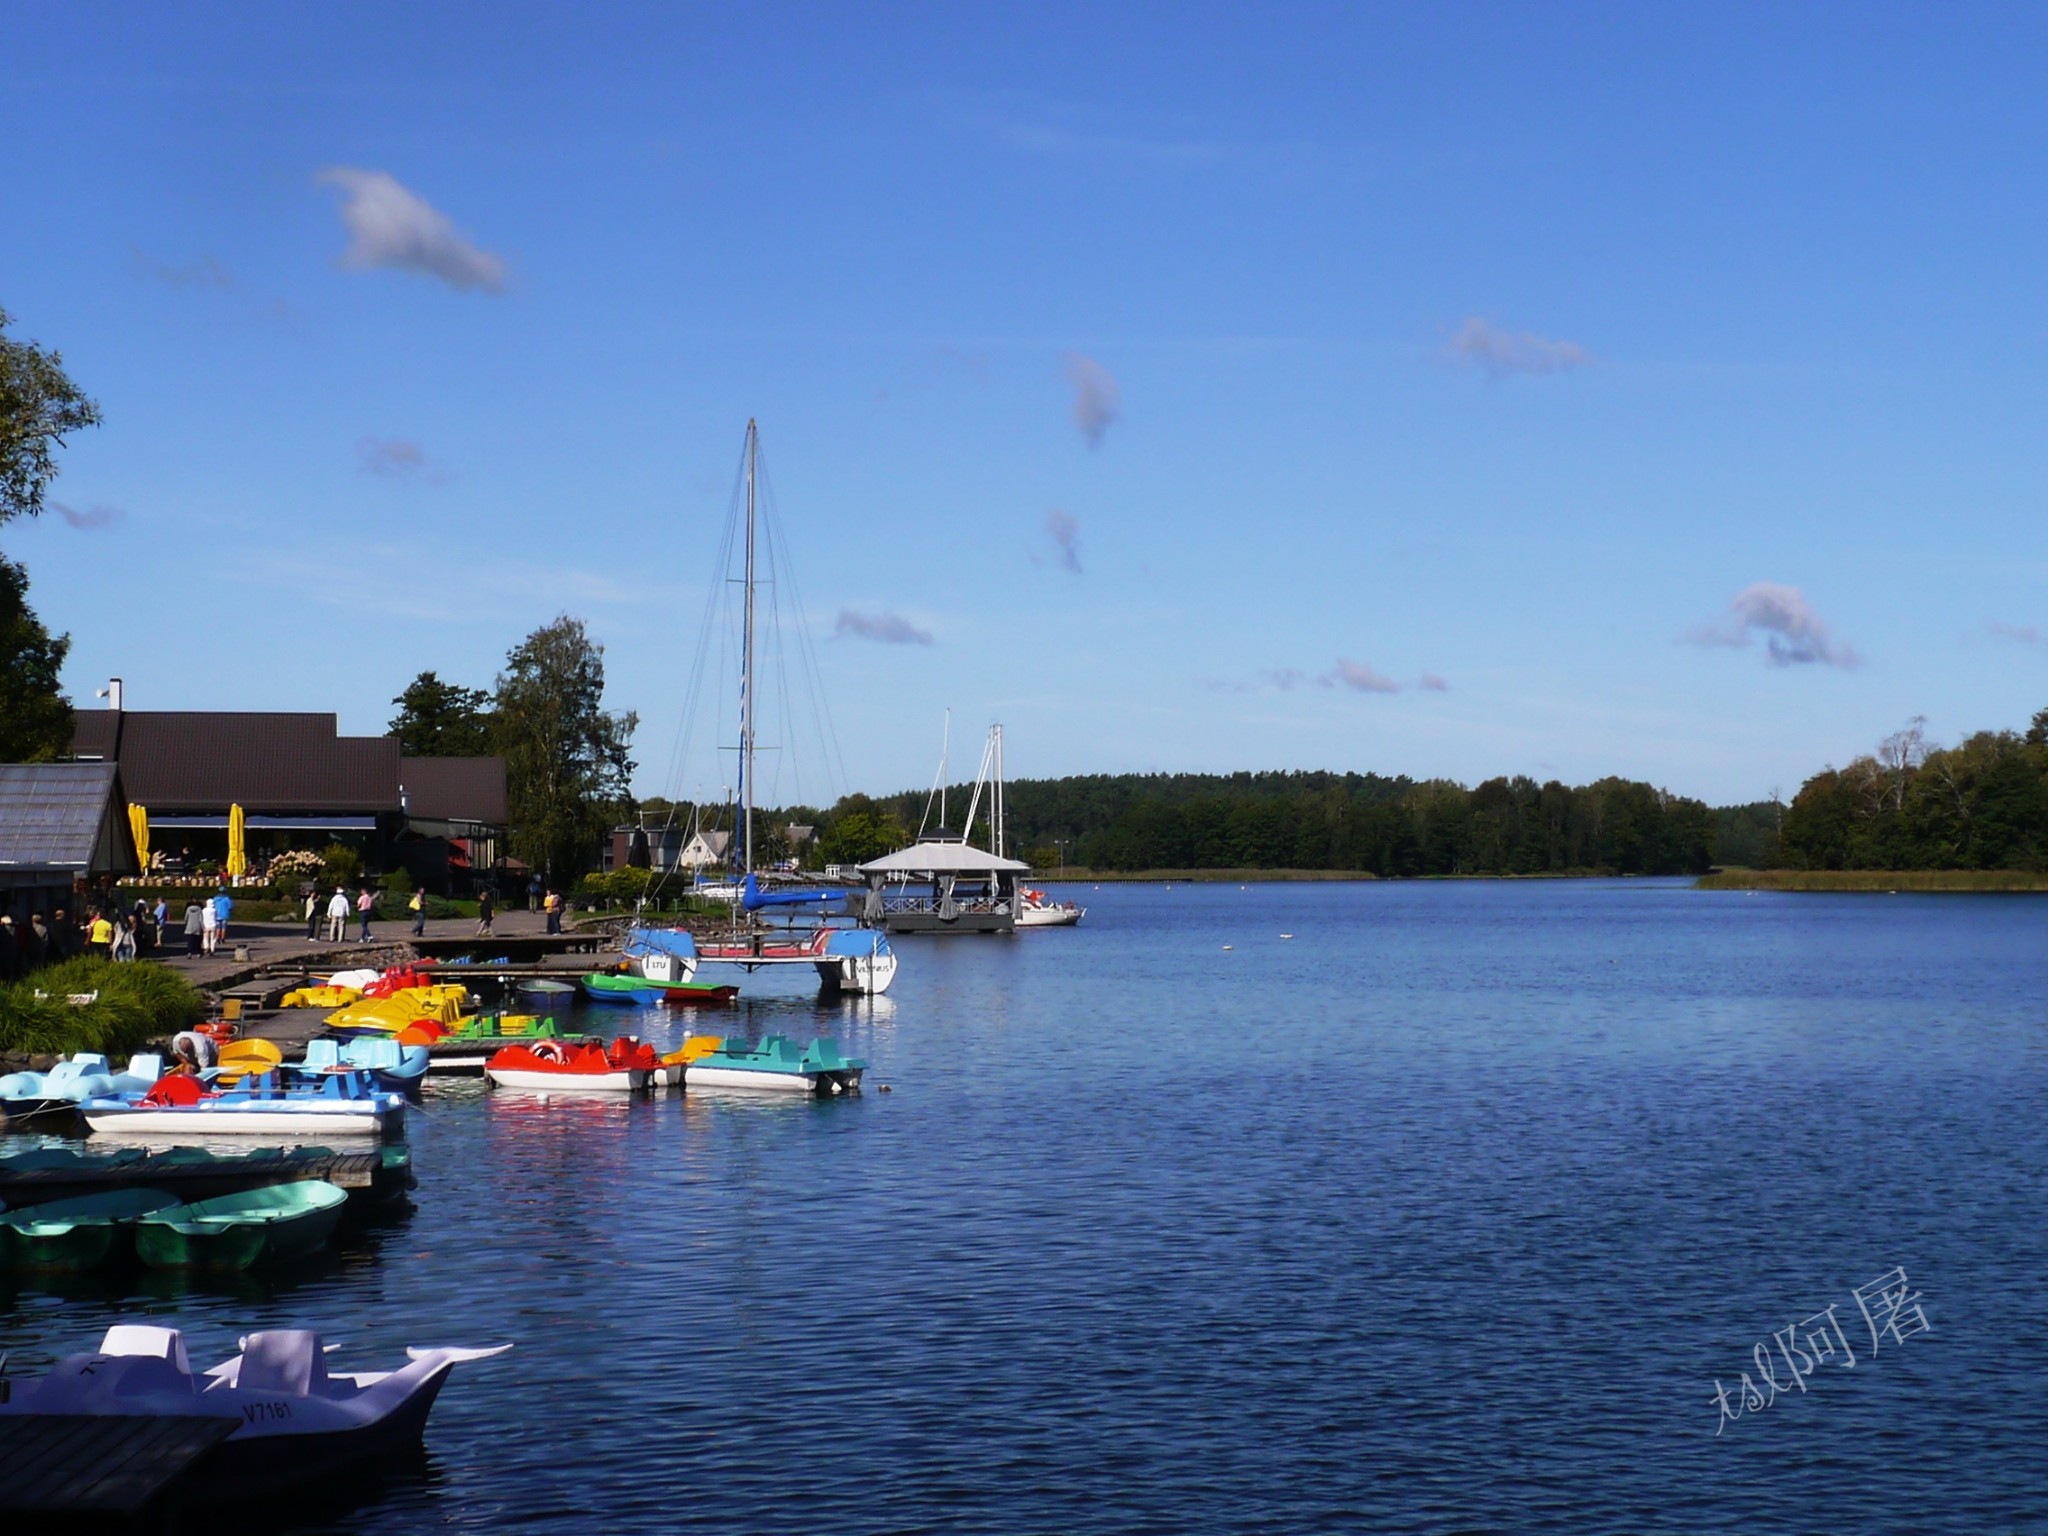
548,1066
777,1064
271,1224
294,1423
77,1235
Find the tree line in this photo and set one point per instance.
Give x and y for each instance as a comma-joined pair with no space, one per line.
1981,804
1359,823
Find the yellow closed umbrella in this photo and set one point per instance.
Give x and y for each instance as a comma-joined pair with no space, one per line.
238,853
138,823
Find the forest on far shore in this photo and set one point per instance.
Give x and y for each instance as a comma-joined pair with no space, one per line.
1910,805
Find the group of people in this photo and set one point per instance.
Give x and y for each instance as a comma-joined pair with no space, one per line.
336,908
109,930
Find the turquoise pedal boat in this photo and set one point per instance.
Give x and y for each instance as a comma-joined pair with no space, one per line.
276,1223
76,1235
777,1063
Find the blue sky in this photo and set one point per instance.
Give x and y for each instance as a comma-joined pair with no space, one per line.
1448,391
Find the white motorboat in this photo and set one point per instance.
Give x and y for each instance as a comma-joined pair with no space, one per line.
294,1422
1037,911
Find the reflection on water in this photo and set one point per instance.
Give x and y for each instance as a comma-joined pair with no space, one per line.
1443,1215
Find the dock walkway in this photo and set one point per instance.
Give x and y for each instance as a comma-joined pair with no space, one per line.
74,1471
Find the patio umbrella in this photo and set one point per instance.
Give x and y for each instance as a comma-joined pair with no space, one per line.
238,854
138,823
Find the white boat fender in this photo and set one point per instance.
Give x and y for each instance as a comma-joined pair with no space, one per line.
546,1050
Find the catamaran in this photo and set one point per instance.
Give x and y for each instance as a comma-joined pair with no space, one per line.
847,959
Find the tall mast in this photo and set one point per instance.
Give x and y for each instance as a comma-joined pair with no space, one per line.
747,674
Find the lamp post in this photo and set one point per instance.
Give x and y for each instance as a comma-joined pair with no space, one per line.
1060,844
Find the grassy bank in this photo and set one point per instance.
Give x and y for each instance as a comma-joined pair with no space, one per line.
1881,880
136,1002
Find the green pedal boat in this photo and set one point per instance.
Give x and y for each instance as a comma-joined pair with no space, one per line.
257,1226
76,1235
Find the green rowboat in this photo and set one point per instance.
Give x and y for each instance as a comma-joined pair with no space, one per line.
257,1226
76,1235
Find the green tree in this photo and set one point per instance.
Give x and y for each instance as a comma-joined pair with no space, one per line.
35,717
38,405
437,719
567,765
860,830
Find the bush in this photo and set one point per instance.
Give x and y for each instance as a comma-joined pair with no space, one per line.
398,883
138,1002
341,864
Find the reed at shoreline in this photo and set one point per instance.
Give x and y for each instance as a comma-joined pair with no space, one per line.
1875,880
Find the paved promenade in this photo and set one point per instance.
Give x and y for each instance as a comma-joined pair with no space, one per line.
268,944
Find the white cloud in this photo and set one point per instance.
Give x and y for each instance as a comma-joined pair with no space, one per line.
1433,682
1066,533
1793,633
1097,400
888,628
390,226
1499,354
1359,677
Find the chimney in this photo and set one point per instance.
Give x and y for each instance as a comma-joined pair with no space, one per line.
111,693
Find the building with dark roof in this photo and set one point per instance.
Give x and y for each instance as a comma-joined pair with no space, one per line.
300,784
61,825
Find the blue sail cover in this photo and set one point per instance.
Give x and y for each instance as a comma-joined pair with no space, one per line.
753,898
661,941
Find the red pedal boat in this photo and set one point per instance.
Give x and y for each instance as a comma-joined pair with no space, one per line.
553,1066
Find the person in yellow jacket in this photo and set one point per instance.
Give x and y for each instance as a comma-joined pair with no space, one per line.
102,938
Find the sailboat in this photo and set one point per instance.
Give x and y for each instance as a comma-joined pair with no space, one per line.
847,959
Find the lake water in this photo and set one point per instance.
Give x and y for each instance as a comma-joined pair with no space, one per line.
1443,1215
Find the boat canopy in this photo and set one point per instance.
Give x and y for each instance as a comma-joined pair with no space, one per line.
678,942
947,858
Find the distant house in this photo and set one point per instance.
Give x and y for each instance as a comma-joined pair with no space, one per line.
705,850
300,784
663,849
62,825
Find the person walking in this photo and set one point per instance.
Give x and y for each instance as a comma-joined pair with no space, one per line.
223,904
102,935
209,926
552,905
418,904
484,908
194,927
337,916
161,914
123,947
312,913
365,905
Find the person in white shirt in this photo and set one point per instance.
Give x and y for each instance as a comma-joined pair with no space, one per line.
337,916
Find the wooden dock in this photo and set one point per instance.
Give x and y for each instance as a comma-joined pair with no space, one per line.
76,1472
29,1179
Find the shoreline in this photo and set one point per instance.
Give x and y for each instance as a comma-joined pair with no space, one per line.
1878,882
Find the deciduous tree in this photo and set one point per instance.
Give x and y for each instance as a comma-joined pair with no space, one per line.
437,719
38,405
35,717
568,768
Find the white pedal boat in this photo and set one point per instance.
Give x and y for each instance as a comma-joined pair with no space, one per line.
247,1117
294,1422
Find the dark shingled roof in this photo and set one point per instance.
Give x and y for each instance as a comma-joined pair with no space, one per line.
179,760
68,816
454,788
